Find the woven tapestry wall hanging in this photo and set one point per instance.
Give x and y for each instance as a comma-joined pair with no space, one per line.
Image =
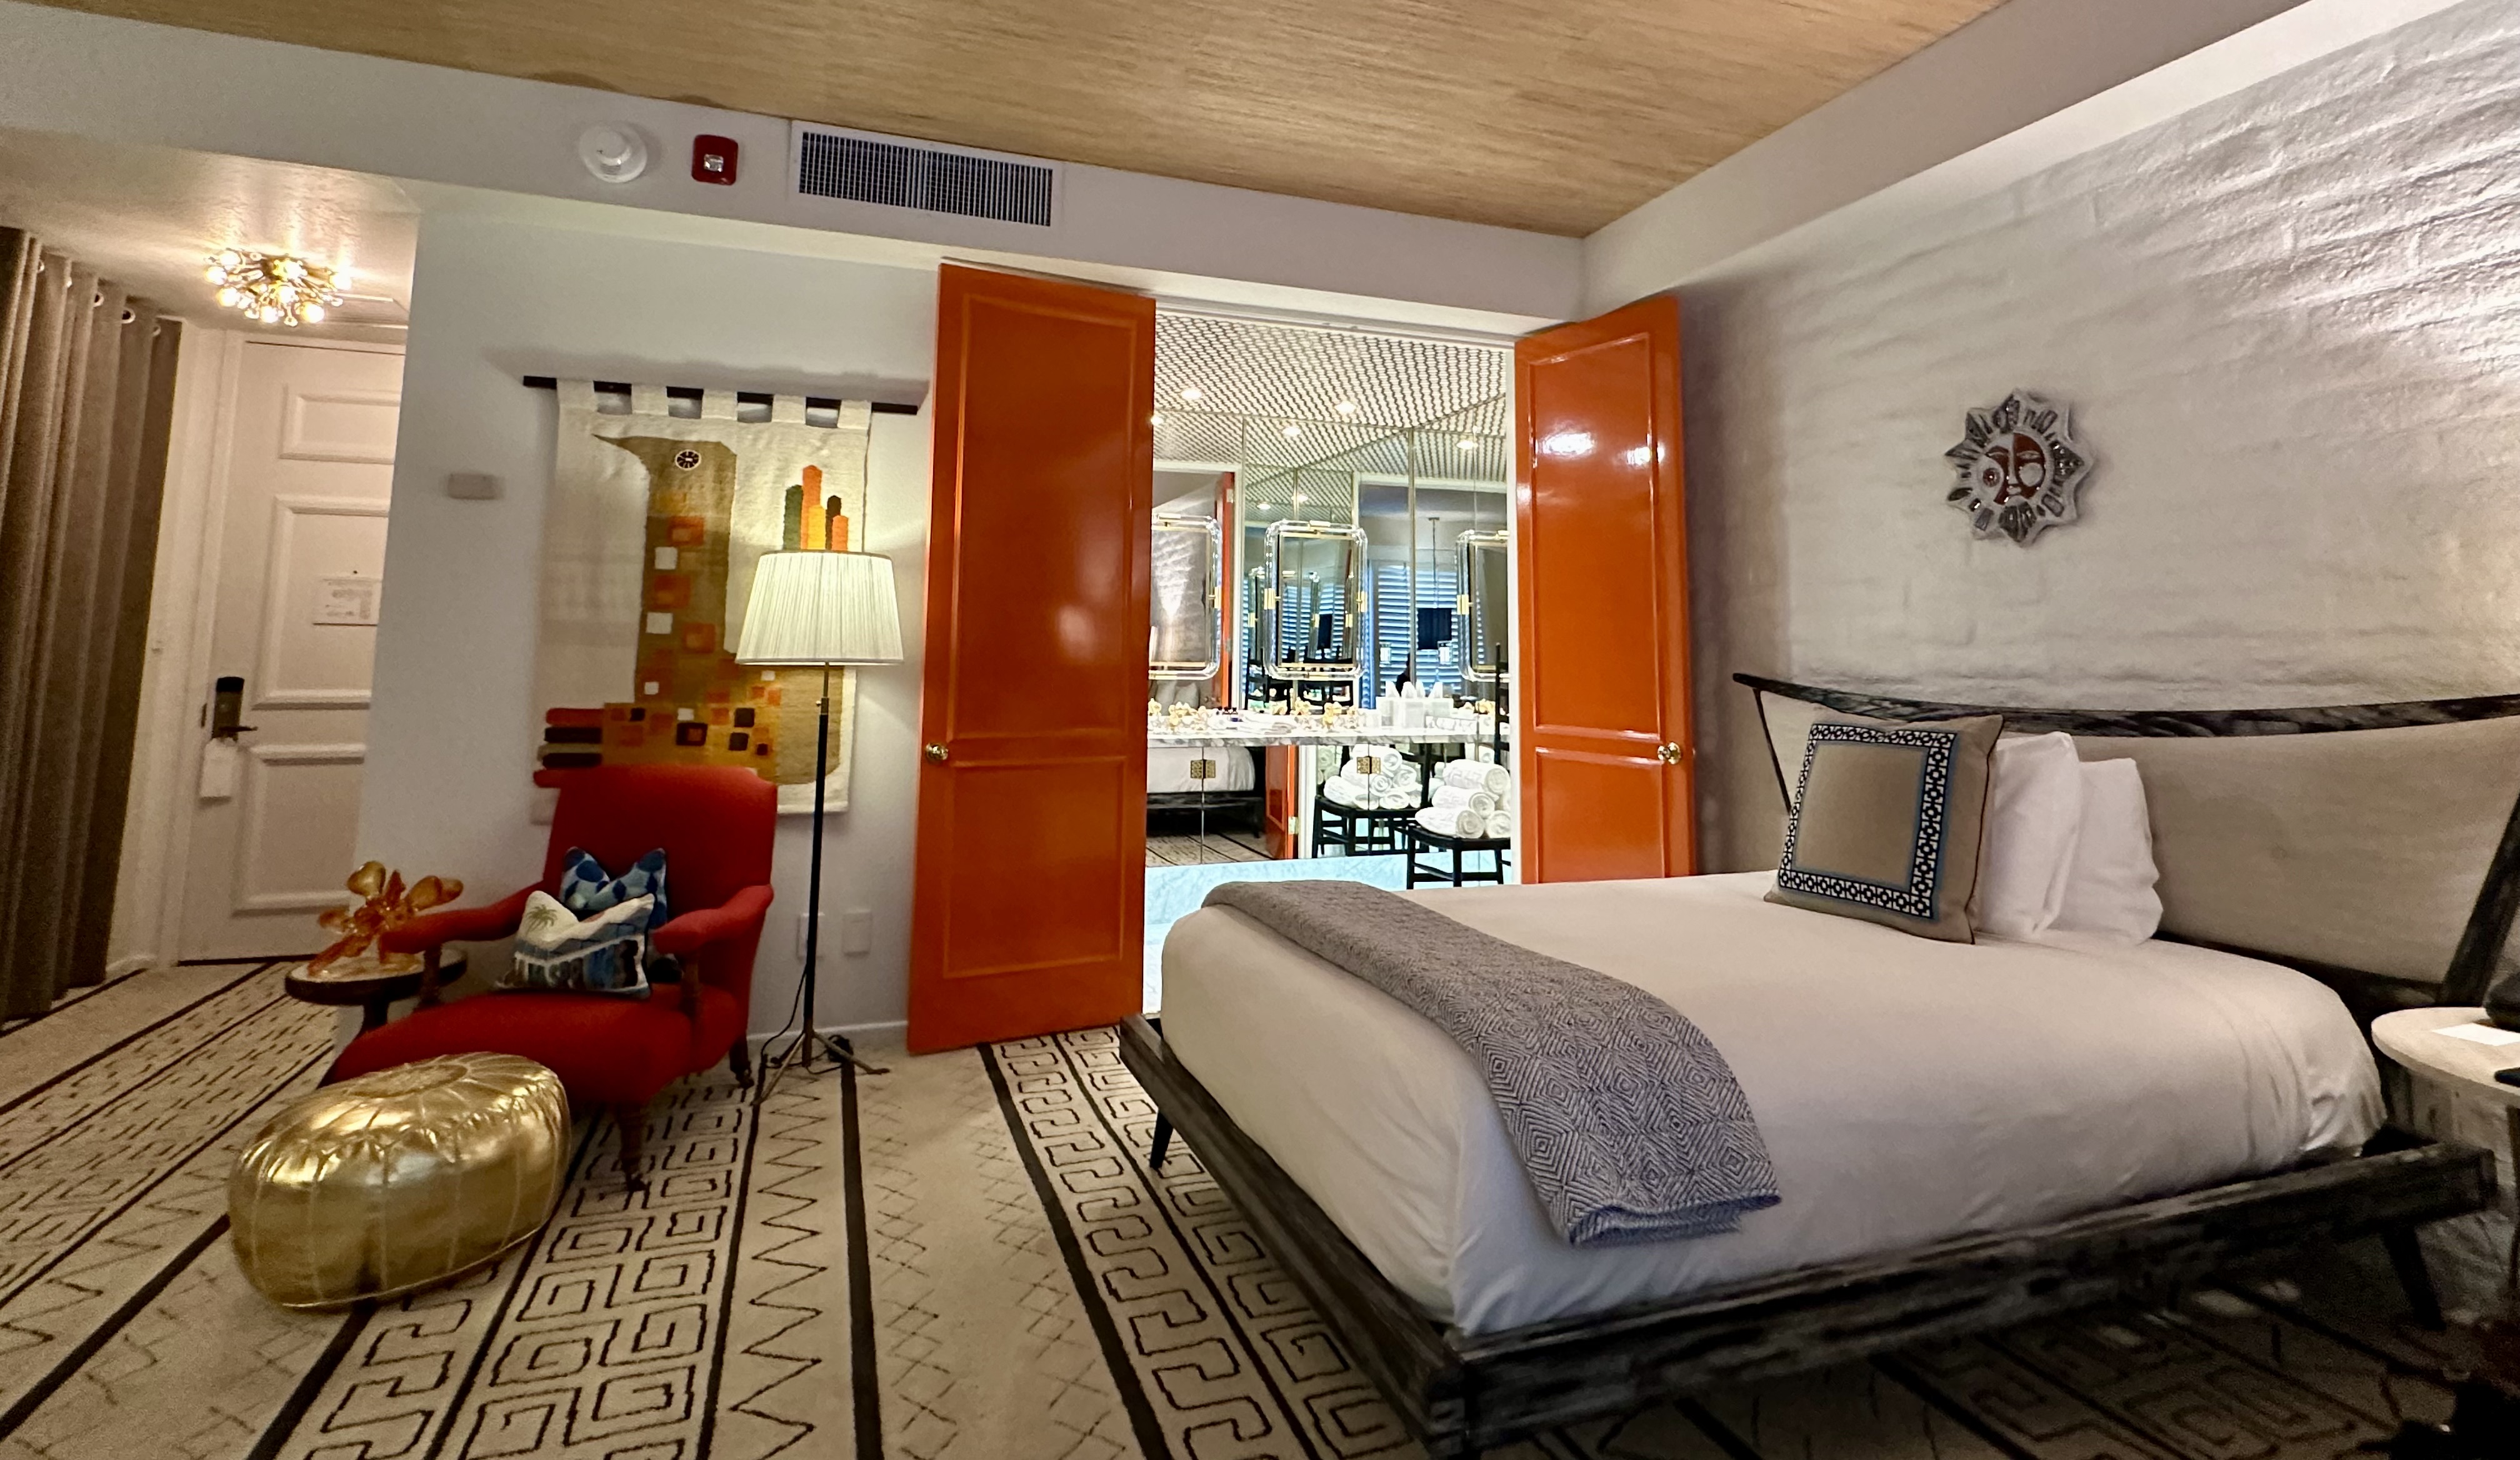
649,536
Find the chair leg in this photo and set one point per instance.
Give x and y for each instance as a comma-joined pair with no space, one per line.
739,1060
631,1120
1163,1141
2406,1256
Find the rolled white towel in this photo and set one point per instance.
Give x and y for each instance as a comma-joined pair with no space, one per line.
1395,801
1500,824
1348,793
1453,821
1477,775
1395,778
1448,794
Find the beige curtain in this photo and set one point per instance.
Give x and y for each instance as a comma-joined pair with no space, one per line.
87,377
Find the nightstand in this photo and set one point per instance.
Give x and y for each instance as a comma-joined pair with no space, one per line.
2454,1086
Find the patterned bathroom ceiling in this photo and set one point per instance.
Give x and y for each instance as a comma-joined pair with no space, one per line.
1299,408
1305,373
1550,114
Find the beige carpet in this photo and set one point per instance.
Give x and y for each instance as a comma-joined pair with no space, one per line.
966,1256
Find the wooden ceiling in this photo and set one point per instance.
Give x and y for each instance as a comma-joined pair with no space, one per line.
1548,114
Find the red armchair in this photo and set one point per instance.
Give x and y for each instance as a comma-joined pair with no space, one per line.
716,825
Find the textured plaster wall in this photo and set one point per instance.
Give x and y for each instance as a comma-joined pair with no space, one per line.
2289,324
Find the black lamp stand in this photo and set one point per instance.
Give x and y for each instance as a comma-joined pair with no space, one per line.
806,1042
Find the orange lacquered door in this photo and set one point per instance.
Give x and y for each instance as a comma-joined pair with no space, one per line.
1029,913
1606,752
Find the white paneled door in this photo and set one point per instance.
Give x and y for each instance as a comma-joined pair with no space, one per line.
307,474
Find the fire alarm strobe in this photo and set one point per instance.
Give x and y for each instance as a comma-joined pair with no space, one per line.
713,159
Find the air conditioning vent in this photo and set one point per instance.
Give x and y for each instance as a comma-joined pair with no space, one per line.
857,168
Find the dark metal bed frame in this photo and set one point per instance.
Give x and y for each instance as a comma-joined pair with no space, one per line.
1463,1394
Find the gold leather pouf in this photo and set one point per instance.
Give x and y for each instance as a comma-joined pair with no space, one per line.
398,1179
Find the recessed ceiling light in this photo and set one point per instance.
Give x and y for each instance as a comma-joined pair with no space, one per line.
1190,392
1469,444
1347,407
1293,431
1299,499
1157,418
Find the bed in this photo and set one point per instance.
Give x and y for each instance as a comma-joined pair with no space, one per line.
1954,1155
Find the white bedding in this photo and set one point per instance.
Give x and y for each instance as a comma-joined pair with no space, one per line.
1908,1090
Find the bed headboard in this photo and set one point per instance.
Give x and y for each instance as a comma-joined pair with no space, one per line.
2376,846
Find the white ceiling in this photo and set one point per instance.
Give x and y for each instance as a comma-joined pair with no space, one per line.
149,218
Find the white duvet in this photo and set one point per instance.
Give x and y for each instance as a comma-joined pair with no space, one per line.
1908,1090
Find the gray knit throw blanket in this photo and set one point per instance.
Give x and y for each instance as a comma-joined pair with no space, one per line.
1627,1122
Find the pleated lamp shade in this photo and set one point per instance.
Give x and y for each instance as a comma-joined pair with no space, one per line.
816,608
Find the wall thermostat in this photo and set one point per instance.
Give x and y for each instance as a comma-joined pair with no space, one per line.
713,159
613,150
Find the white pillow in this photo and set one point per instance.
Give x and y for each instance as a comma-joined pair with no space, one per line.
547,924
2109,891
2032,815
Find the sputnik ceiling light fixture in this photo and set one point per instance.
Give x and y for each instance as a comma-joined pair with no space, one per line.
277,288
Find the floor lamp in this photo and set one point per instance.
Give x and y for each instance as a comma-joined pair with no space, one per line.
817,610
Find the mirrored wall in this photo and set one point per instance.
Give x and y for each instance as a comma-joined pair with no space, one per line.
1358,484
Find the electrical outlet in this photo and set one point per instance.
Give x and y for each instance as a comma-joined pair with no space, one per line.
857,932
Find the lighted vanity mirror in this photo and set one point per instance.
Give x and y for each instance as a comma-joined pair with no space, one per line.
1186,622
1315,580
1486,605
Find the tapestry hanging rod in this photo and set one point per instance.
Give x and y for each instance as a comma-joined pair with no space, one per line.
742,398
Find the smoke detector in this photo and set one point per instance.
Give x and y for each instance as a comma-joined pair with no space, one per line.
613,150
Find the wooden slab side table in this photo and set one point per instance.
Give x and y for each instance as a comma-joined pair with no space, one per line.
2464,1070
372,985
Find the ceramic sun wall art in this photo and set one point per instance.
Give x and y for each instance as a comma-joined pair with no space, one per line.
2019,468
651,531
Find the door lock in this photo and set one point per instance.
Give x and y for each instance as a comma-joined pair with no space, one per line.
227,707
938,752
1669,754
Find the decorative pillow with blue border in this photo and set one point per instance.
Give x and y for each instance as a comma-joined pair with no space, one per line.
1887,823
586,889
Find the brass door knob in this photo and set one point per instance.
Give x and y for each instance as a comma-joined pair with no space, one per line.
938,752
1669,754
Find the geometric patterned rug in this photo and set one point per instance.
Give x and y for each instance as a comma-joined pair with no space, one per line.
963,1257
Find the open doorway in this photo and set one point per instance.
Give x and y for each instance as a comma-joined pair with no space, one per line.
1329,691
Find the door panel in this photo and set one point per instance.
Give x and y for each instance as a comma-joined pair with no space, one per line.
307,479
1608,748
1029,885
1030,905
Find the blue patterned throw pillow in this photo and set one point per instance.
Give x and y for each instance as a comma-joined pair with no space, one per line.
1886,823
586,889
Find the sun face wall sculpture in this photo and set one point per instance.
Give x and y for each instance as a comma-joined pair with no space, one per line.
2019,468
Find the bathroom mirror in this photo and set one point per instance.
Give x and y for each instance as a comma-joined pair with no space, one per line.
1316,580
1485,605
1186,626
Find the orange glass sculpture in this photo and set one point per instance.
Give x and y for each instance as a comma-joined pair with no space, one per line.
387,904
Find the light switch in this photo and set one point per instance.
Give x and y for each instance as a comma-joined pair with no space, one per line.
857,932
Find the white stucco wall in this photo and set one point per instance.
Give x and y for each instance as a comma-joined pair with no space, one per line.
451,751
2289,325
